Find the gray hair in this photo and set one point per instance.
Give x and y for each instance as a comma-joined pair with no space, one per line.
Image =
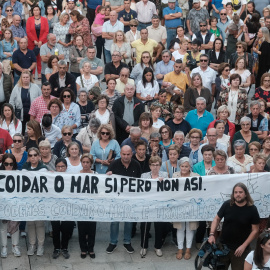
135,130
201,99
245,119
62,62
85,62
166,51
94,122
124,69
155,135
254,103
223,108
49,35
82,90
130,85
183,160
239,143
179,132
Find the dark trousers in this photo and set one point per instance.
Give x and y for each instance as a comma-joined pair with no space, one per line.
90,15
161,231
26,118
145,228
64,227
237,263
100,47
87,228
200,232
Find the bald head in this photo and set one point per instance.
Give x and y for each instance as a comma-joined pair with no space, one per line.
126,154
16,20
113,16
23,43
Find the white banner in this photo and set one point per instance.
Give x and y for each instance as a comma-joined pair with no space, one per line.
53,196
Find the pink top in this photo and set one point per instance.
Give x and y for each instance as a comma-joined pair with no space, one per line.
99,19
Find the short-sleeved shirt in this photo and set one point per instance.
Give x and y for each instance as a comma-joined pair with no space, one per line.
18,31
179,80
195,17
44,49
120,86
237,5
95,63
23,60
140,47
127,16
208,76
114,3
5,140
174,22
184,126
108,27
111,69
162,68
237,223
145,12
39,108
158,33
250,259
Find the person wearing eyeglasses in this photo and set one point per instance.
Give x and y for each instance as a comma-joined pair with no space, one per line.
9,164
60,148
36,229
254,148
104,150
223,22
14,5
18,150
123,80
9,12
222,81
259,258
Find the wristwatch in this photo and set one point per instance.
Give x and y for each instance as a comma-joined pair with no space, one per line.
29,70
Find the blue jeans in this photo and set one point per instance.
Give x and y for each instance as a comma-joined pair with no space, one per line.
216,14
143,26
108,56
171,34
43,78
16,77
115,232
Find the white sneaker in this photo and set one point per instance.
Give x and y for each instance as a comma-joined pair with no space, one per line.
158,252
143,251
16,251
4,252
31,250
40,250
23,234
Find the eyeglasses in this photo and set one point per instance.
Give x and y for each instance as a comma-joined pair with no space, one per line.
155,165
203,60
165,56
60,167
8,164
116,55
123,75
194,137
9,10
227,69
67,133
17,141
33,155
202,25
253,149
240,47
145,57
245,124
223,14
66,96
133,25
105,133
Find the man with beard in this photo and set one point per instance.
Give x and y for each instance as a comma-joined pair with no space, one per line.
240,226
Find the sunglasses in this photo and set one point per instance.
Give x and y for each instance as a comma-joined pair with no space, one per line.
133,25
227,69
17,141
33,155
66,96
202,25
204,60
67,133
145,57
239,47
9,10
105,133
223,14
8,164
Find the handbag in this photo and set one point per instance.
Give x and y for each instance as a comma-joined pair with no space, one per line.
18,113
36,50
68,38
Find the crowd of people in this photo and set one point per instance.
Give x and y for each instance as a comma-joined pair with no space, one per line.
178,75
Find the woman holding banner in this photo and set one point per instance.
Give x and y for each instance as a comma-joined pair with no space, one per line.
185,228
9,164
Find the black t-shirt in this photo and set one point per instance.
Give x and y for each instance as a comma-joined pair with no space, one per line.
144,164
85,112
111,69
183,126
237,223
133,170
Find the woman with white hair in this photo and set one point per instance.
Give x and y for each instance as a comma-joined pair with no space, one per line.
245,133
223,113
185,228
86,80
240,162
46,155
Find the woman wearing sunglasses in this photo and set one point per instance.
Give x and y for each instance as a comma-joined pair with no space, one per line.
105,149
36,228
18,150
60,148
6,226
260,257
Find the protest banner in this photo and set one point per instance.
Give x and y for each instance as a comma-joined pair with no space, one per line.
80,197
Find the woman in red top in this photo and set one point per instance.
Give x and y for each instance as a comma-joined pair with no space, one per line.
37,29
80,26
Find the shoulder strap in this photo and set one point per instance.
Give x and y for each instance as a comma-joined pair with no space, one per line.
79,53
82,81
167,168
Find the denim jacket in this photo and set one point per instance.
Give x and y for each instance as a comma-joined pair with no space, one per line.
6,46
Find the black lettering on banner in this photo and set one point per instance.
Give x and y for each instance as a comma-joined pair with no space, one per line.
59,184
94,182
75,183
187,185
86,186
124,182
26,183
131,184
10,184
140,184
147,186
35,186
18,183
108,185
195,183
2,177
43,182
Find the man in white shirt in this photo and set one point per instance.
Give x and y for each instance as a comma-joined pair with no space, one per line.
208,74
145,11
108,30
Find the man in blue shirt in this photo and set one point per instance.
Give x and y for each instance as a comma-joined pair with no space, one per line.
126,15
91,8
172,16
165,66
16,5
200,118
